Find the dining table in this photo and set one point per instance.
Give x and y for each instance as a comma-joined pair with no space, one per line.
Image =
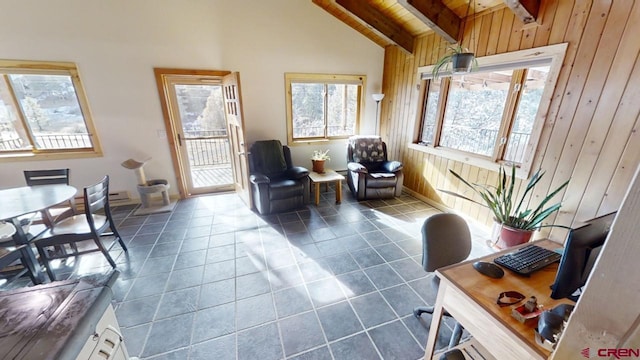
20,201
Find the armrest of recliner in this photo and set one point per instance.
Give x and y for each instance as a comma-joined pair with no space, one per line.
259,179
392,166
357,167
296,172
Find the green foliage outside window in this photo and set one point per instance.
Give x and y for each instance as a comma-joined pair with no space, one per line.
322,106
41,110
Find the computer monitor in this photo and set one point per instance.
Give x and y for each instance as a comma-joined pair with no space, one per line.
580,253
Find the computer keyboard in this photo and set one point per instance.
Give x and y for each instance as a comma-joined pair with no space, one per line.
528,259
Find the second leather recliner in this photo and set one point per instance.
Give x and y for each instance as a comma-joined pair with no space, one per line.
370,174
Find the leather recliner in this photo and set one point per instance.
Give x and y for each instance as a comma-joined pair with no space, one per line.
276,185
370,174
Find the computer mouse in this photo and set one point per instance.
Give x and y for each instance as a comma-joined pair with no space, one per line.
489,269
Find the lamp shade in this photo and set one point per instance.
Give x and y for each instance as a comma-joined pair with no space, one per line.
377,97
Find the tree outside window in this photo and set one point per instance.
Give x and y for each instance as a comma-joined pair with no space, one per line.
42,109
322,107
488,114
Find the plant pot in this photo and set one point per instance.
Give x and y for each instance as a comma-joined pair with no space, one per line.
462,62
318,166
495,232
511,237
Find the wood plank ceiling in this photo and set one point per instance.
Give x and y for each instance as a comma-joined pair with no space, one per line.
399,22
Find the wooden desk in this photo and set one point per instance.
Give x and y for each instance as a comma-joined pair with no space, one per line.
326,177
470,298
29,199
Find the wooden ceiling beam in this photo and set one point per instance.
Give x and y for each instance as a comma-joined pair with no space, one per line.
379,22
525,10
437,16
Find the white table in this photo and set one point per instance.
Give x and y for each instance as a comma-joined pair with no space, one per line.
16,202
326,177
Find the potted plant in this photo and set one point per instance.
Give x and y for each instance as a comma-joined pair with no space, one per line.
460,59
517,216
318,158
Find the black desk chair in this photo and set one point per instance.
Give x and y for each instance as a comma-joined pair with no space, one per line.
89,226
51,177
446,240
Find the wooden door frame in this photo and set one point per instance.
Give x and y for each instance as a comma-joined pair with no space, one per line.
160,75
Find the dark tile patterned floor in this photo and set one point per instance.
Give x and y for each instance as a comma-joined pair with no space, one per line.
214,280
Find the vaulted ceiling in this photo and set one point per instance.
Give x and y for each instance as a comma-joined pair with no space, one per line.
398,22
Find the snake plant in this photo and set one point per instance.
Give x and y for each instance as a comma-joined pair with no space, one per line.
502,200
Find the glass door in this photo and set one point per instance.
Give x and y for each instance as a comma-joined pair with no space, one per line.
202,141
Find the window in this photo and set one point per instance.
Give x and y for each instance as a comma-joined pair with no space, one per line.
43,110
322,107
493,114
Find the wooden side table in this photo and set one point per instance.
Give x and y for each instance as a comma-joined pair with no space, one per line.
326,177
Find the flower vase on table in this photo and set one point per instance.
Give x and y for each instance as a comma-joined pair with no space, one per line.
318,166
318,159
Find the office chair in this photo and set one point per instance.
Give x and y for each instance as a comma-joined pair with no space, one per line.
446,240
89,226
51,177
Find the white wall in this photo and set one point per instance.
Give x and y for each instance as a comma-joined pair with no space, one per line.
117,43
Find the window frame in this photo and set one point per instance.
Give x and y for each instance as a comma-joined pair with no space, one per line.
70,69
359,80
553,55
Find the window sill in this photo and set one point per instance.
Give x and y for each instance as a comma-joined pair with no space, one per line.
317,141
465,158
29,156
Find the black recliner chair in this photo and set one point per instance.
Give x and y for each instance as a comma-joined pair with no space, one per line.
370,175
276,185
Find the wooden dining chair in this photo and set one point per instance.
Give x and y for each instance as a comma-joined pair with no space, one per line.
9,258
89,226
51,177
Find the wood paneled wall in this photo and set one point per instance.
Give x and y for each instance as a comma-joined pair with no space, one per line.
589,133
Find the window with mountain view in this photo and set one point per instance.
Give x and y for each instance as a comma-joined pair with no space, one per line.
322,107
43,109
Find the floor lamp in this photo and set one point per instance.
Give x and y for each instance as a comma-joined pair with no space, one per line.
377,98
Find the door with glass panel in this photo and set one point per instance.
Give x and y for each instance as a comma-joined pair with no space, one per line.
199,130
235,122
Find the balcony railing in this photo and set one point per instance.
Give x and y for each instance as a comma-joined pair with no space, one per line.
516,147
63,141
49,142
318,131
481,141
211,148
207,148
204,148
10,144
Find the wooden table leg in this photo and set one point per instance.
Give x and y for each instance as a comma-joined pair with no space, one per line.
436,318
338,191
317,188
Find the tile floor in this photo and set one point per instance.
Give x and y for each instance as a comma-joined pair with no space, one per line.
214,280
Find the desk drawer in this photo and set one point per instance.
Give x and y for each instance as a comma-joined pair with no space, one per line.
486,329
